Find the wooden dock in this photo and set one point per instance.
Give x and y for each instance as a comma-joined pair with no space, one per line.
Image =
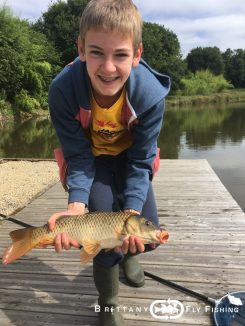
206,252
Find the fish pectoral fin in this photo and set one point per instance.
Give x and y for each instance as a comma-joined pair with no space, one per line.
85,257
120,235
91,247
89,251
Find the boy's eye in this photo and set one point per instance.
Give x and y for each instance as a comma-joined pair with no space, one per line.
122,55
95,52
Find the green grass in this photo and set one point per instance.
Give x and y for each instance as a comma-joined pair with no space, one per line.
226,96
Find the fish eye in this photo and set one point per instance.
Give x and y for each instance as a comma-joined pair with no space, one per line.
147,223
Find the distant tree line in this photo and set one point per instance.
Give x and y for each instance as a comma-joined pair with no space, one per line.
230,63
32,53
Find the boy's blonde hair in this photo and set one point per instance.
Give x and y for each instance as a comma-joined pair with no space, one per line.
113,15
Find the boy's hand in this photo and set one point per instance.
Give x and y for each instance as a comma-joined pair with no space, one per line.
132,211
62,240
133,243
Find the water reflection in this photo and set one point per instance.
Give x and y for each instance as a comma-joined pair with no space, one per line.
214,133
32,138
201,129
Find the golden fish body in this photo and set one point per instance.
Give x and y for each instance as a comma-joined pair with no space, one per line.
94,231
97,226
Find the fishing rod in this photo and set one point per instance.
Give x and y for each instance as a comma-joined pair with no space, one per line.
229,308
180,288
14,220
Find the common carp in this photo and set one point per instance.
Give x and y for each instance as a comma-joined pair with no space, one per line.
93,231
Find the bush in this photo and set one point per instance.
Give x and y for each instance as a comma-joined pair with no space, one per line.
5,107
203,82
25,102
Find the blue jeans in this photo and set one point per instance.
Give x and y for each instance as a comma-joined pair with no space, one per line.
107,195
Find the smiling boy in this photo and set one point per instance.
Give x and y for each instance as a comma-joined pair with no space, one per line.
109,57
107,108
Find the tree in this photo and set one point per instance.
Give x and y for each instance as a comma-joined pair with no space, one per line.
11,59
206,58
162,51
235,66
227,58
61,26
27,62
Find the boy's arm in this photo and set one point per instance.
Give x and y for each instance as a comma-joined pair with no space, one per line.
75,146
78,156
141,156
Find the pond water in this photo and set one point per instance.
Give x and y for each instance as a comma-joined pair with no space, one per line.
213,133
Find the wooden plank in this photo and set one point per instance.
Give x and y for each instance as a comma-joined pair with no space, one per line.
172,272
81,304
206,253
80,283
22,318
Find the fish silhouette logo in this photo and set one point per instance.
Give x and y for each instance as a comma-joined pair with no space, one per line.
166,309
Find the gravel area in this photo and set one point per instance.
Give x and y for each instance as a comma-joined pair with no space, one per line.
21,181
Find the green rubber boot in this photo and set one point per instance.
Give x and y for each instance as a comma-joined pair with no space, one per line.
133,272
107,283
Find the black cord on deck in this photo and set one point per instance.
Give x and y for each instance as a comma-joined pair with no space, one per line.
9,218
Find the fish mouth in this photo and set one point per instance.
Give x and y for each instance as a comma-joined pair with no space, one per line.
162,236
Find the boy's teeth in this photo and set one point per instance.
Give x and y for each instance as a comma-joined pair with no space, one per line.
107,78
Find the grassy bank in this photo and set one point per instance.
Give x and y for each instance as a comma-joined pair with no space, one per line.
227,96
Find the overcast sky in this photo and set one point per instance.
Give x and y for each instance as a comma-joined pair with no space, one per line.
197,23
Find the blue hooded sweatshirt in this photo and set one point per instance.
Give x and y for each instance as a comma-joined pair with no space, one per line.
142,113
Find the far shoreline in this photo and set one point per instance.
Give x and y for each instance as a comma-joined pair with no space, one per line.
225,97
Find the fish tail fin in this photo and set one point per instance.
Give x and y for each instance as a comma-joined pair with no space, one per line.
21,245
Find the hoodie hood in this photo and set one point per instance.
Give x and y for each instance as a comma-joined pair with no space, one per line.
145,80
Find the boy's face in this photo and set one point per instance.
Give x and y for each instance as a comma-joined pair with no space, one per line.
109,57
